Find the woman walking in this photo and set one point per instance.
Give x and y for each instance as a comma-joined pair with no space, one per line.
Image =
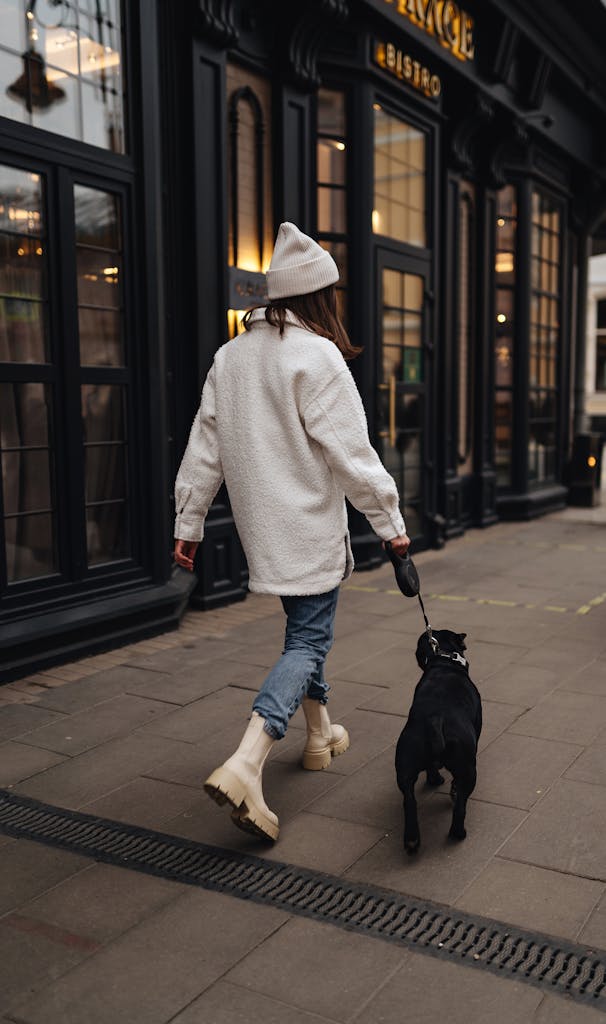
282,422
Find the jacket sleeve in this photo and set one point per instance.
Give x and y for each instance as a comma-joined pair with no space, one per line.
336,419
200,474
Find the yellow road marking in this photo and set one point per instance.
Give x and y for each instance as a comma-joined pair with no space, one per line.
583,610
554,608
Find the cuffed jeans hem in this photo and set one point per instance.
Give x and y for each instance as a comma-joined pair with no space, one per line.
271,730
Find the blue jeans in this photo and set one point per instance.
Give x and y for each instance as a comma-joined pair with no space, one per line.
300,670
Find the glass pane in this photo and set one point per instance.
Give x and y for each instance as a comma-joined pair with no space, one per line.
331,210
21,201
106,533
601,313
504,361
101,341
331,161
13,27
104,472
413,291
331,112
30,546
98,278
103,412
412,330
506,202
24,414
21,266
400,183
503,420
102,117
97,217
26,481
62,115
22,331
393,282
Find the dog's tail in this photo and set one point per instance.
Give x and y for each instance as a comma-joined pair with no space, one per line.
435,736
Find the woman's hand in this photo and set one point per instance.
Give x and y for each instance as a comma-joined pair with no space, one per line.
399,544
185,552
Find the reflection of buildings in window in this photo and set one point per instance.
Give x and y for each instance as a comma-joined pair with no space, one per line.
331,182
544,337
399,179
466,268
62,71
595,366
505,251
250,197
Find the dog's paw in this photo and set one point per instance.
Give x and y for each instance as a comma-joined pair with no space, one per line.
435,779
412,846
457,833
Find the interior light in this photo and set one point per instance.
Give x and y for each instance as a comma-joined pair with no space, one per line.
110,271
377,106
376,221
340,145
501,222
591,461
501,318
504,263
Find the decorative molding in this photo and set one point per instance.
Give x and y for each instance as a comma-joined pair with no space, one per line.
246,95
465,131
499,51
512,148
538,82
301,35
216,21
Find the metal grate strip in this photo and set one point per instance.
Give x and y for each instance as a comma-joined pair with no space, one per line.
542,961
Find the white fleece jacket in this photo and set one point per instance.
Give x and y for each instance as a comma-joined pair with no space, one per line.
282,422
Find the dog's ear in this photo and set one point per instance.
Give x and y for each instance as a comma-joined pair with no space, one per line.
462,640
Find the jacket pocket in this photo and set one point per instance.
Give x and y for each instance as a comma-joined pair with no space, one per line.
184,496
349,561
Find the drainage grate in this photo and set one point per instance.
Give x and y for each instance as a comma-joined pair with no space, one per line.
561,967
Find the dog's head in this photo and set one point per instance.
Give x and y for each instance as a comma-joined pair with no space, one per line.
448,641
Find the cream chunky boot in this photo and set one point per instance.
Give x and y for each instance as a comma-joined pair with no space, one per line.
238,782
324,740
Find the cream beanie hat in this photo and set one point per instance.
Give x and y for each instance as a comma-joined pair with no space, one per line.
298,265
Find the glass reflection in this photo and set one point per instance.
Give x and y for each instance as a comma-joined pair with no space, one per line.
399,176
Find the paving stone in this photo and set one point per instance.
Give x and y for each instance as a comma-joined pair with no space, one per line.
184,658
145,802
443,867
318,968
556,1010
369,734
158,967
344,696
517,770
573,717
31,960
324,844
102,901
18,761
396,664
84,693
531,897
496,718
593,932
84,778
205,822
18,719
87,729
486,658
393,700
426,989
224,1003
589,679
204,717
591,765
27,869
210,676
350,650
524,685
566,831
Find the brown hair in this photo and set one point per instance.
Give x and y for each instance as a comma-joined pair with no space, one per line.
317,311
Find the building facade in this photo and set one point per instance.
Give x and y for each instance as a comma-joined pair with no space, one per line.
449,155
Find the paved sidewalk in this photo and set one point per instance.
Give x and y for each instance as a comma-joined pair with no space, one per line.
131,735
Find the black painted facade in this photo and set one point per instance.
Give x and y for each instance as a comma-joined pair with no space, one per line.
477,409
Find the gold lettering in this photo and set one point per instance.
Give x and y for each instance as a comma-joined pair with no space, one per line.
425,81
467,45
390,56
452,25
407,66
432,17
401,64
417,73
435,86
450,14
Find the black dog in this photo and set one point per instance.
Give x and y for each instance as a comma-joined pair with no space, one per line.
442,730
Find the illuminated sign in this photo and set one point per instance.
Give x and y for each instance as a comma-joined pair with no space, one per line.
445,20
404,67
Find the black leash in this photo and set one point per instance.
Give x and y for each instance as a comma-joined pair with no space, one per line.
408,581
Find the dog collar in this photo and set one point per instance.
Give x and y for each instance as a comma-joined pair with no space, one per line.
451,656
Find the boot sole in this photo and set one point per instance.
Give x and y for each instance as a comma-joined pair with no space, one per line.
226,788
317,760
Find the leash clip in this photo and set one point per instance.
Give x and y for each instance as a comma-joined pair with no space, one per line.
432,640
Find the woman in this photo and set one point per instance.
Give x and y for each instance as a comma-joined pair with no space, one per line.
282,422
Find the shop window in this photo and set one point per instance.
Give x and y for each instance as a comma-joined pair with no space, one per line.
331,176
27,448
399,209
466,267
251,236
544,337
600,365
506,230
61,66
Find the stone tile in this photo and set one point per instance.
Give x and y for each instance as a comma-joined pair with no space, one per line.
224,1003
369,797
348,651
18,761
523,685
443,868
158,967
188,686
555,1010
591,765
84,693
87,729
27,869
204,717
572,717
324,844
145,802
566,831
393,700
487,657
369,734
590,679
531,897
593,933
33,958
427,990
496,718
344,697
317,967
517,770
205,822
96,772
396,664
102,901
184,658
18,719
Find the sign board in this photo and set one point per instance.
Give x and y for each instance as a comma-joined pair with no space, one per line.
403,66
449,23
